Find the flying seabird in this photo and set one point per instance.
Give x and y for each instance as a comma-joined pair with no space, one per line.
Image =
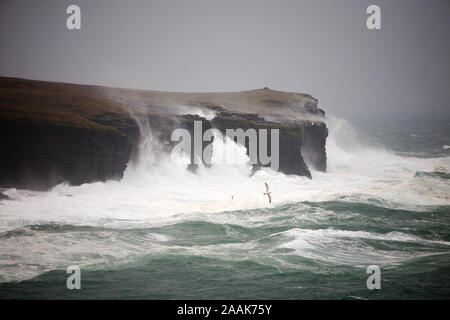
268,192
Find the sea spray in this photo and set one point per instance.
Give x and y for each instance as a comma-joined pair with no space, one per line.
160,209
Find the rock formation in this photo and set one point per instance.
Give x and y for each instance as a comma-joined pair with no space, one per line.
57,132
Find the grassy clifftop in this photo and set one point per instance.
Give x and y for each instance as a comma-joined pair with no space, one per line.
83,105
54,132
54,103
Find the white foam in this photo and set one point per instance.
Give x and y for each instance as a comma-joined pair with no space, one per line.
155,190
34,252
348,247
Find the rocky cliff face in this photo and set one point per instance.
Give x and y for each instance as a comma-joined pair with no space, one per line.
314,138
53,132
36,156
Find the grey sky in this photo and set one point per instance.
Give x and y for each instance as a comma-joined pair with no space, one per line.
321,47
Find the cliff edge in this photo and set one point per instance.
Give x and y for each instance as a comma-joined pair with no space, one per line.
57,132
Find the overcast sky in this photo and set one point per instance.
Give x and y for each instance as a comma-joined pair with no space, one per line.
321,47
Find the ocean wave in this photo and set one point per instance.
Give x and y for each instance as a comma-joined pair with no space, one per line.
159,208
333,233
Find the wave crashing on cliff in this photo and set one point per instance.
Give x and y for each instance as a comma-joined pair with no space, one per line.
371,207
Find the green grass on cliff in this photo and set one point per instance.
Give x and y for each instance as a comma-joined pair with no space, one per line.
55,104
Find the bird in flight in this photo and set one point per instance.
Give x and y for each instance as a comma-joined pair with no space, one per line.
268,193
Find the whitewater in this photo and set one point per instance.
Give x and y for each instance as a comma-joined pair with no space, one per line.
165,232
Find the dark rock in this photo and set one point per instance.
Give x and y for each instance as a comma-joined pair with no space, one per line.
290,143
54,132
40,156
314,141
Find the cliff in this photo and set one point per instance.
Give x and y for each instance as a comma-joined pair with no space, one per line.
55,132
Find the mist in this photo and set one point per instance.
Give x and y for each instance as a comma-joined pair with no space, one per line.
322,48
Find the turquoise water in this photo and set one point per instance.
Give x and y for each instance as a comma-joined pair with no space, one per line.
314,242
411,247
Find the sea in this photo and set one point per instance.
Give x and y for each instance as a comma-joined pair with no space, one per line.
381,213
